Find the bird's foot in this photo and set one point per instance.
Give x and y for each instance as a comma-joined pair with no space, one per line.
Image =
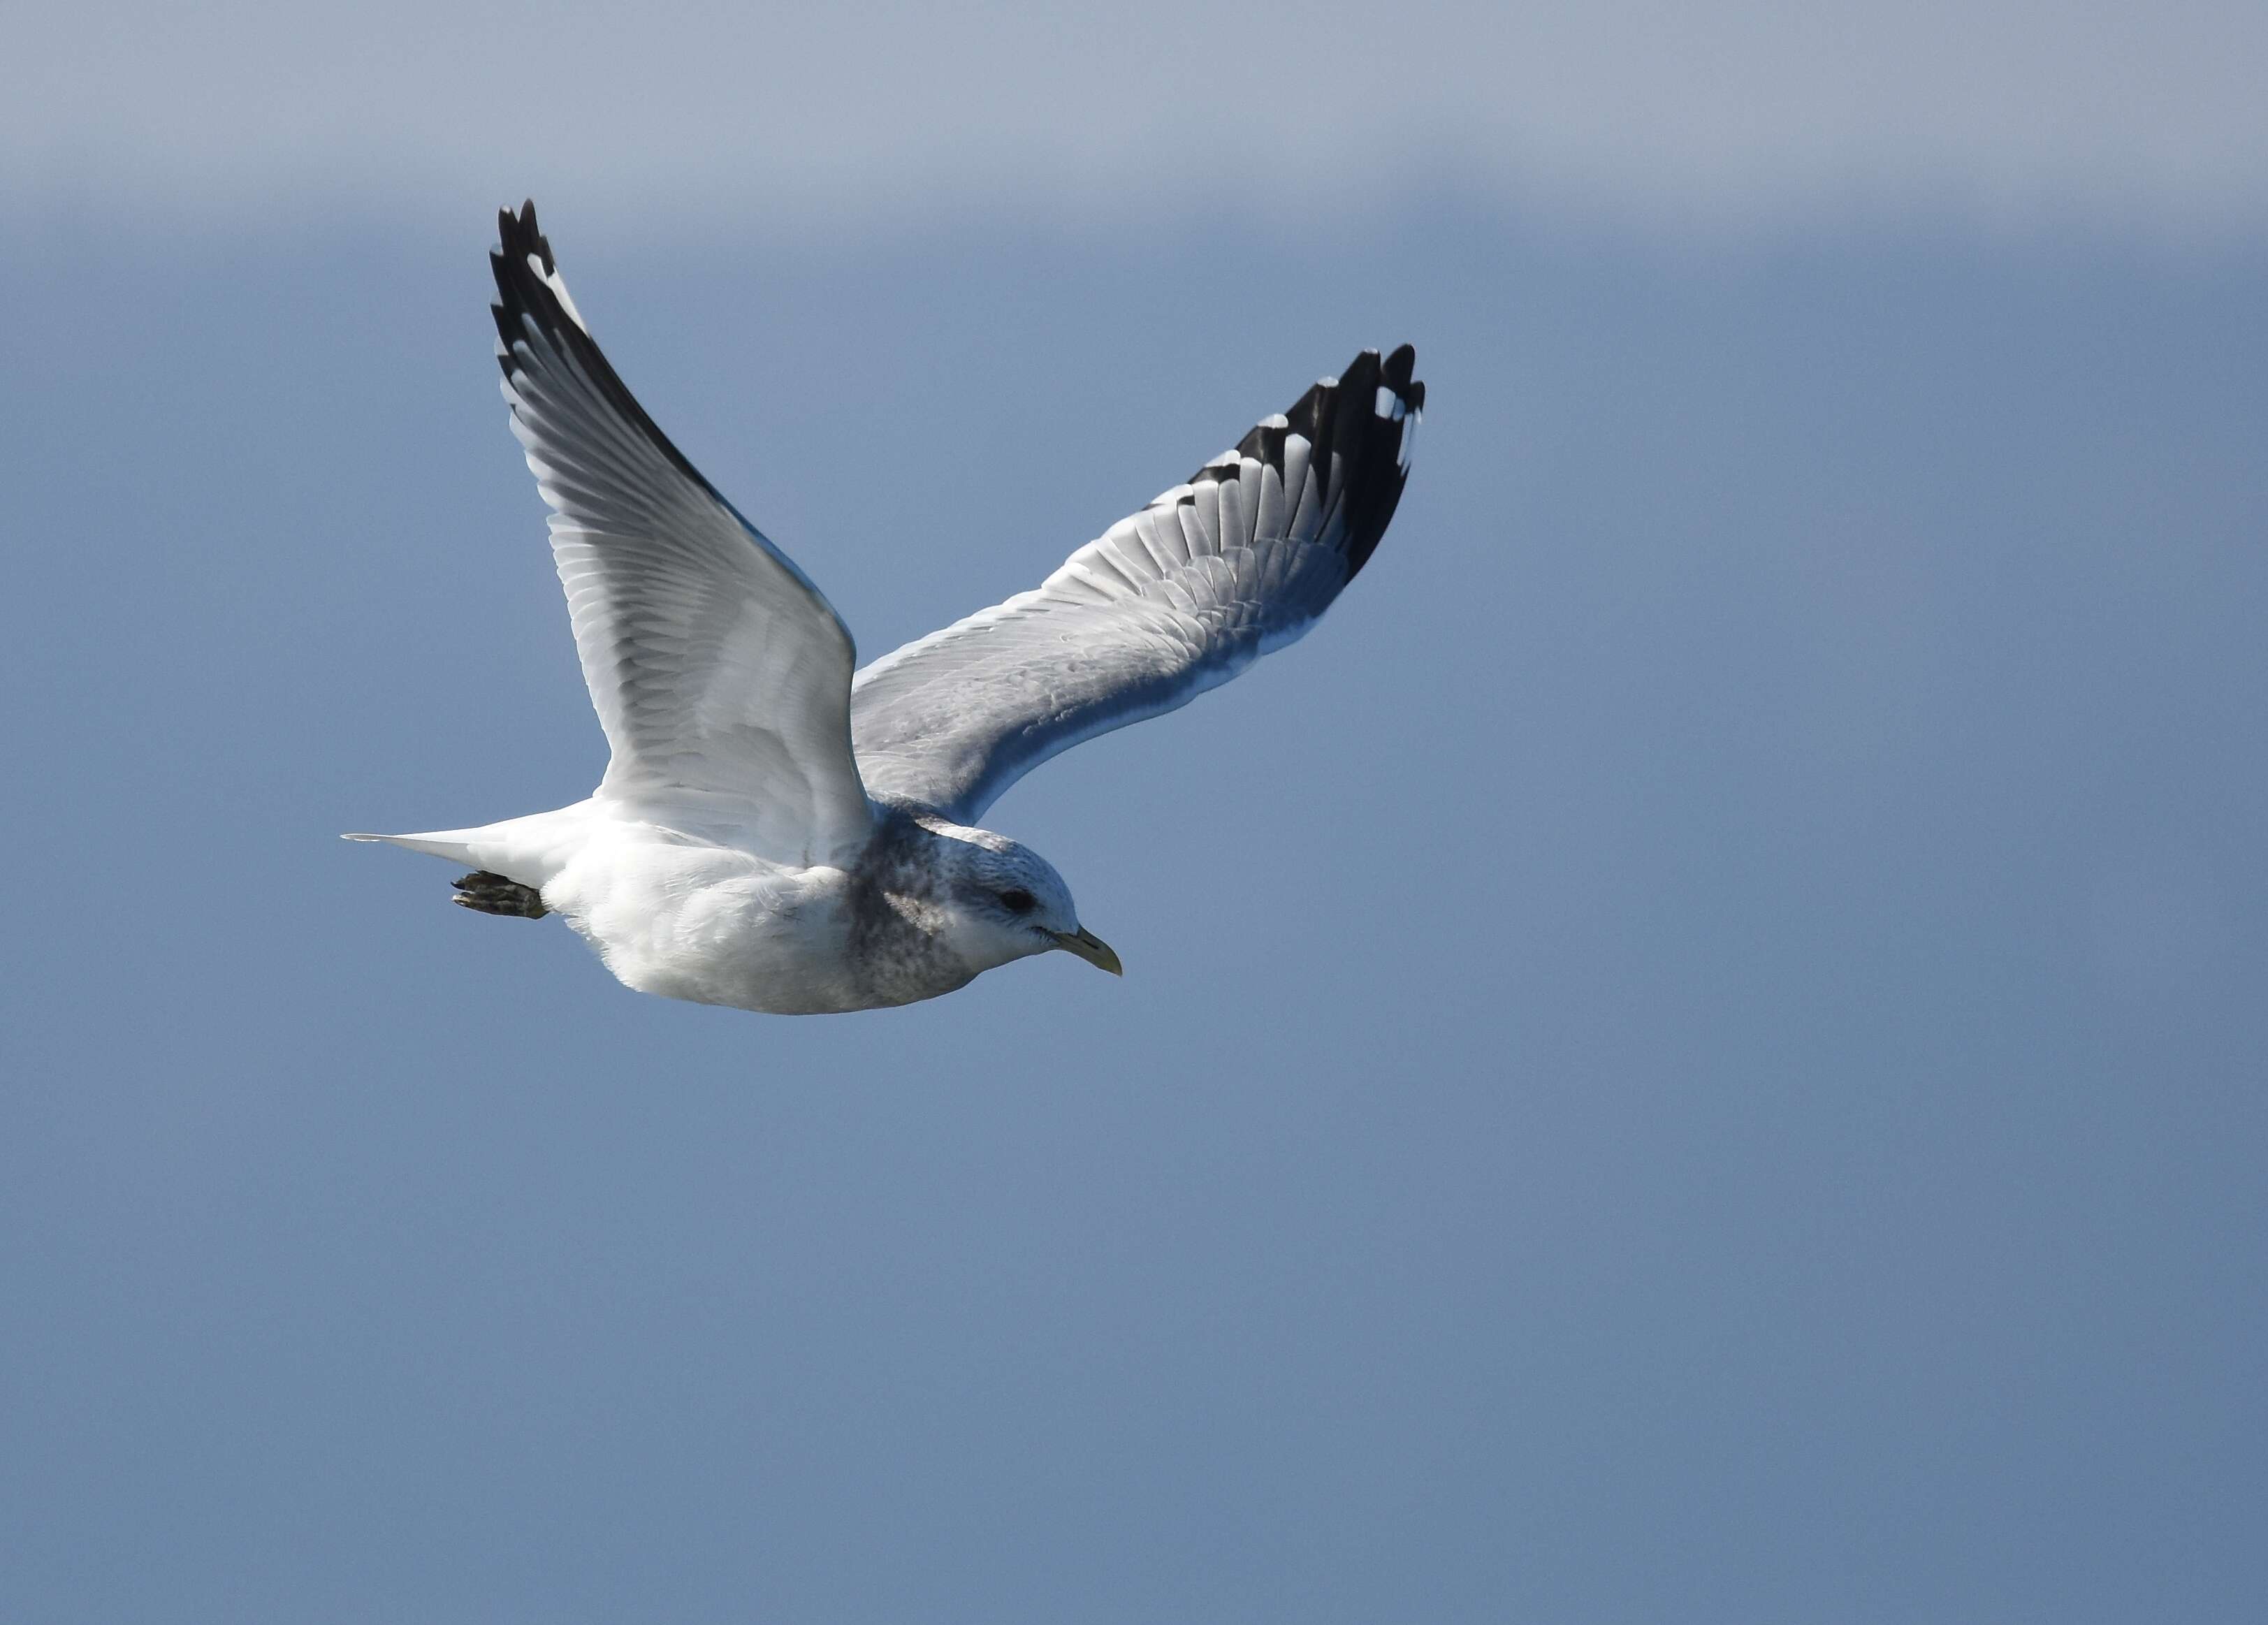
492,893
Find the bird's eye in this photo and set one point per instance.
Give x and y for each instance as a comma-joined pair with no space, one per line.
1018,900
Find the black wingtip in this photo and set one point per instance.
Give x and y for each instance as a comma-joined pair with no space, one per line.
529,299
1348,423
1396,376
521,290
518,236
1395,372
1370,436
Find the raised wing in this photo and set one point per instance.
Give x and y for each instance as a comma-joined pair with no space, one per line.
721,675
1166,604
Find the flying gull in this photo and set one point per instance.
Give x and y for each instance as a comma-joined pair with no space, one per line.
779,831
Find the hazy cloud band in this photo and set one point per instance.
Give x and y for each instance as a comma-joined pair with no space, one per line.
2145,116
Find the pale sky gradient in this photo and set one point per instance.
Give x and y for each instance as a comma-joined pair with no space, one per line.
2012,113
1693,1054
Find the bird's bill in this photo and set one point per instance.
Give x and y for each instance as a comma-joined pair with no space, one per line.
1091,948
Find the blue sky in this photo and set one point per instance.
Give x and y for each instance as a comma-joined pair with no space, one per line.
1693,1053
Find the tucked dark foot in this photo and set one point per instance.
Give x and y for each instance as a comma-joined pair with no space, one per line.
493,895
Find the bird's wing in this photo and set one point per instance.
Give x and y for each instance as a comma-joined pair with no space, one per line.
1166,604
721,675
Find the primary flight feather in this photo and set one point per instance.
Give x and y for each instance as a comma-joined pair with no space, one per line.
777,831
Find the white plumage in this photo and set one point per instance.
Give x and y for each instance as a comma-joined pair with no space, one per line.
772,833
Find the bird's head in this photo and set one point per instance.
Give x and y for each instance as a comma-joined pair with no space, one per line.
1004,901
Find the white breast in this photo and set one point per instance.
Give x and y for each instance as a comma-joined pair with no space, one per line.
688,919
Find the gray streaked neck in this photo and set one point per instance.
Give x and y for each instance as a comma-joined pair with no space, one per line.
900,887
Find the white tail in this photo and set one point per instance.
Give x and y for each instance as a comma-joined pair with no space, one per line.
530,850
450,843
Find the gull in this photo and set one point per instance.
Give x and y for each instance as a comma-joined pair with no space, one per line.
778,830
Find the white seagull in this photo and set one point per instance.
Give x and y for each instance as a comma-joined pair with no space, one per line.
776,831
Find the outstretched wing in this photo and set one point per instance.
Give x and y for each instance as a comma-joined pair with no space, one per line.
721,675
1166,604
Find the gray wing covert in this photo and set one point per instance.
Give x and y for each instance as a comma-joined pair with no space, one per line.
1177,599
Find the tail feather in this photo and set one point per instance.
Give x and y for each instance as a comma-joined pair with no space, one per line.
453,844
529,851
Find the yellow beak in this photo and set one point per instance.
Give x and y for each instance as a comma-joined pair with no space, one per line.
1091,948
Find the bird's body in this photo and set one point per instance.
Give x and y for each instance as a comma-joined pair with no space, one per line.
685,912
775,834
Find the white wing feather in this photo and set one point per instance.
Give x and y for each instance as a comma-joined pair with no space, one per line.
720,674
1168,603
